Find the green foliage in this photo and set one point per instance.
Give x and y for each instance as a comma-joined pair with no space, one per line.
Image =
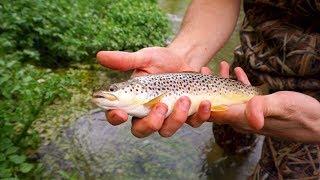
25,91
57,33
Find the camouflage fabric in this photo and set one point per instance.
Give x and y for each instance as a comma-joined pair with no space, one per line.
288,160
280,46
233,142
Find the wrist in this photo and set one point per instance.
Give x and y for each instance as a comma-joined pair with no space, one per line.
194,55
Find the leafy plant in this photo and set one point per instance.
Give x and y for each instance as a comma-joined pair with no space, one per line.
25,91
57,33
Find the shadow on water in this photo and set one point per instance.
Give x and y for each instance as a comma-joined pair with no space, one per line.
94,149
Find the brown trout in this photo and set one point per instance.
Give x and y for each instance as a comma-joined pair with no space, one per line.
138,95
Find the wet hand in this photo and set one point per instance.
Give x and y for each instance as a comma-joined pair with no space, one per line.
156,121
284,114
204,111
147,61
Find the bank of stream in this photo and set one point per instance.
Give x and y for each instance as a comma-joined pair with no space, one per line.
91,148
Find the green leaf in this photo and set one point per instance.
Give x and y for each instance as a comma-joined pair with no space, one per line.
5,172
10,64
17,159
2,157
11,150
4,78
5,144
26,167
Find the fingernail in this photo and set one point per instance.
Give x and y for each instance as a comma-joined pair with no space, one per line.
123,116
116,117
162,110
207,108
184,104
237,69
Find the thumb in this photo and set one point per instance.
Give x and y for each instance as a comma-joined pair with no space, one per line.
256,110
122,61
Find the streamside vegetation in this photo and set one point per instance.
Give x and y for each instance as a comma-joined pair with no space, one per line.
47,66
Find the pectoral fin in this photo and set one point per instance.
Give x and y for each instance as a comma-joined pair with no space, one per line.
219,108
154,101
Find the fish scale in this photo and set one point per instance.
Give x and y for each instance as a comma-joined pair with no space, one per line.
138,95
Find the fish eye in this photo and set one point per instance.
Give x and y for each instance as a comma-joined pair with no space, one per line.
113,88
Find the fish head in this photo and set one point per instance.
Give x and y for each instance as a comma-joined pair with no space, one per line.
119,95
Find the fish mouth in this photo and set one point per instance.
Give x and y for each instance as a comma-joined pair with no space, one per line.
104,95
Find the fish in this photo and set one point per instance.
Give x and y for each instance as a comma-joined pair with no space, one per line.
138,95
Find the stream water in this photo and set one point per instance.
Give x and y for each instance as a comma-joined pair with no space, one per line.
95,149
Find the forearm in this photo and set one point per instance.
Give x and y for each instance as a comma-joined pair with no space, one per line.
206,27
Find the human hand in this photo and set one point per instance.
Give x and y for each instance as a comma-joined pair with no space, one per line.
153,60
179,115
284,114
146,61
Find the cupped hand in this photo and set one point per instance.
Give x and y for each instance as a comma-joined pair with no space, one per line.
149,61
284,114
145,61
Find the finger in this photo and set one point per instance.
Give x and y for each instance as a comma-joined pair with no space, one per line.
255,112
116,117
261,107
122,61
151,123
201,116
241,75
224,69
205,70
177,117
233,115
